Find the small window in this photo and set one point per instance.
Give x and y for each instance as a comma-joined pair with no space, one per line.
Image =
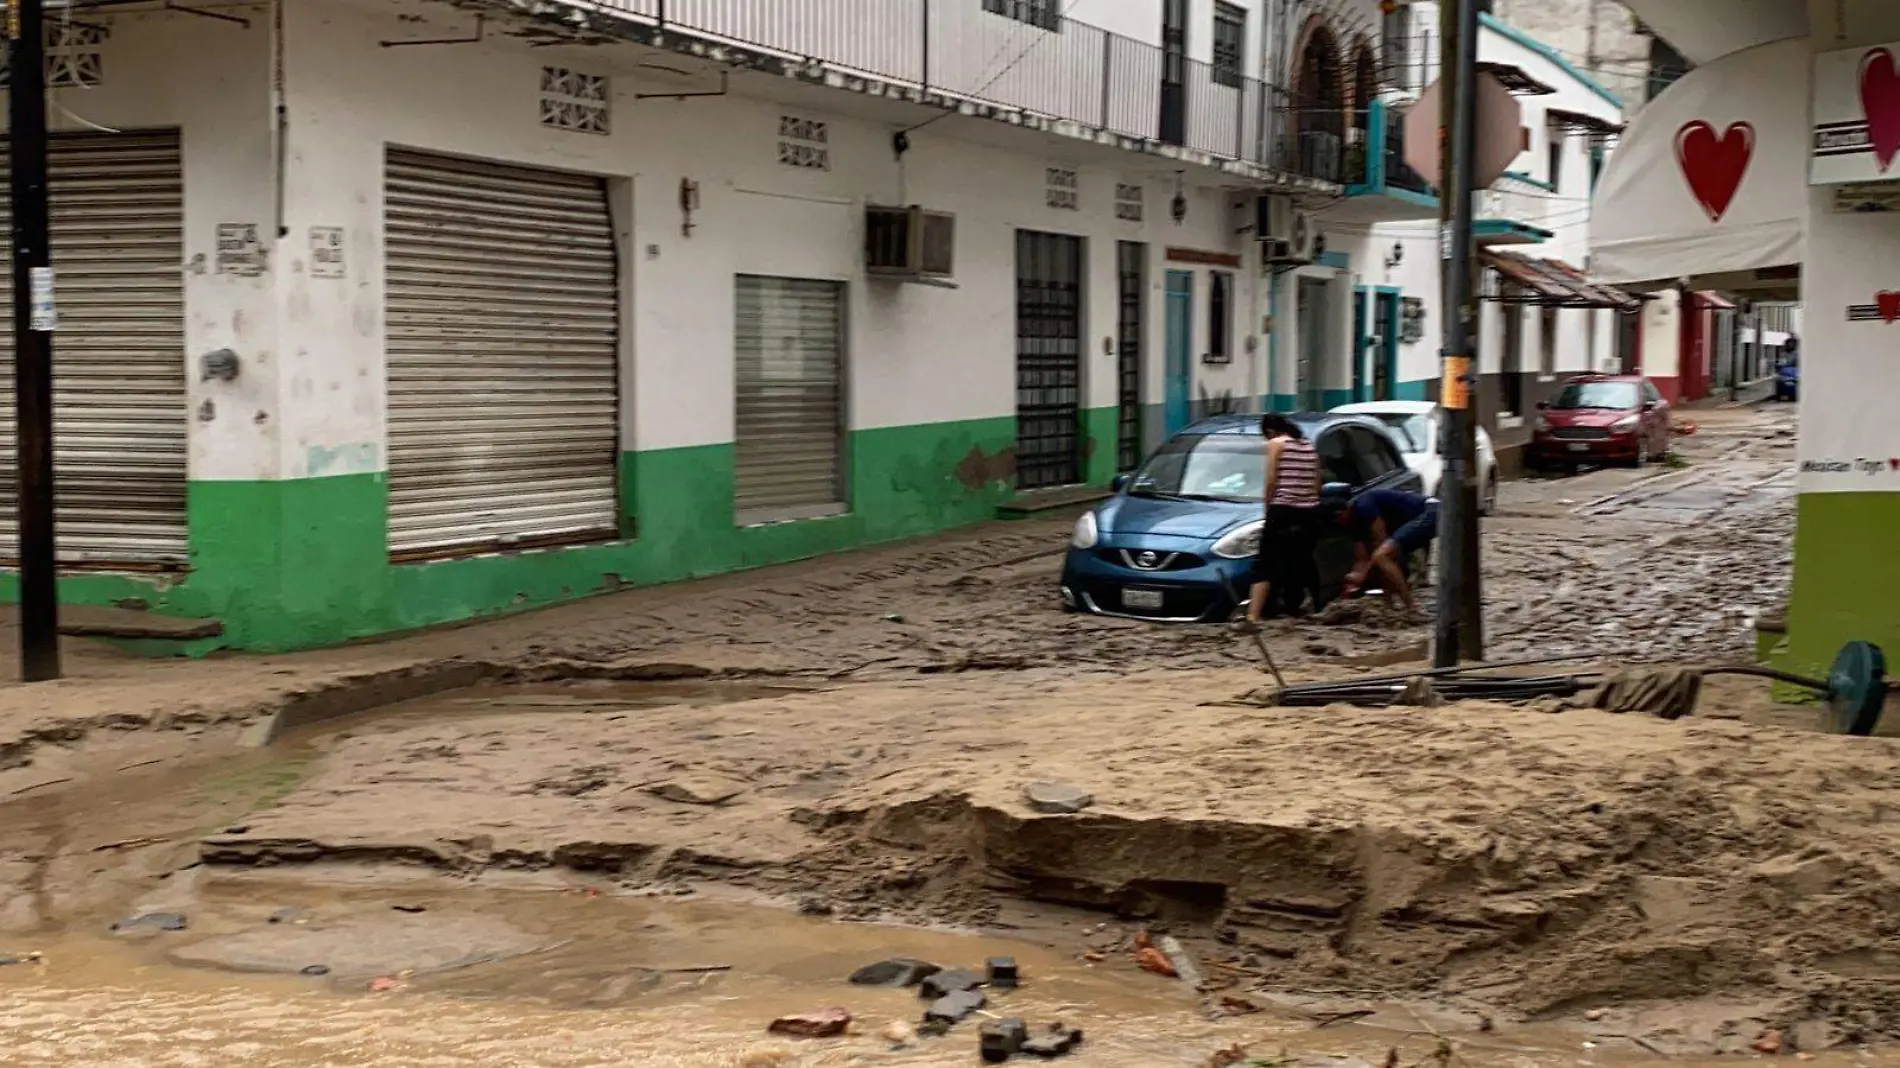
1558,139
1220,317
1044,14
1547,336
1230,43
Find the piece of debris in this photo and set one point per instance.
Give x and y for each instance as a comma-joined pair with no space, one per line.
707,790
411,909
1142,940
1153,960
824,1023
815,906
999,1040
1002,973
286,915
943,983
898,971
315,970
893,617
1181,960
1486,1024
1234,1005
20,958
1226,1058
1331,1018
899,1034
1769,1043
1596,1014
1057,799
1054,1042
160,921
767,1057
383,984
953,1008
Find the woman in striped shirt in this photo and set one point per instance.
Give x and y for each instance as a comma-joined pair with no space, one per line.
1284,562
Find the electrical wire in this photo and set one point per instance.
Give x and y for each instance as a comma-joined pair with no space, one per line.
998,76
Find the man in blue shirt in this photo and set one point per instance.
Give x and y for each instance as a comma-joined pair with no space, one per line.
1388,526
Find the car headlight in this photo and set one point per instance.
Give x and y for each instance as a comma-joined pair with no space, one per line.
1086,532
1240,542
1542,424
1624,425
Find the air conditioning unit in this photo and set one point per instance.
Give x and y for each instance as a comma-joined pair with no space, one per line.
1293,238
909,243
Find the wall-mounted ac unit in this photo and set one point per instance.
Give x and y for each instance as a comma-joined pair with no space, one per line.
909,243
1291,237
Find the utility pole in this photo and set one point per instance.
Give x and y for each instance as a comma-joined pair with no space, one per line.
1459,631
34,318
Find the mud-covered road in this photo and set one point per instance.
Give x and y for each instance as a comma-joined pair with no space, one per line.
852,738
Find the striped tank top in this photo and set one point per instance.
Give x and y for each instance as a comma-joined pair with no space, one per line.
1299,475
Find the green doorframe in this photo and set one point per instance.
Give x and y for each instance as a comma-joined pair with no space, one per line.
1374,299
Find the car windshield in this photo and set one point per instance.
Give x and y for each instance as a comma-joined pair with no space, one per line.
1413,431
1204,467
1619,396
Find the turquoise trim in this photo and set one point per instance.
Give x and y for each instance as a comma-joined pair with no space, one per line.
1538,182
1375,183
1416,389
1503,29
1423,200
1333,398
1285,402
1524,233
1338,261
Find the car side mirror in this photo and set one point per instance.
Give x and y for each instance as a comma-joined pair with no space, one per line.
1650,406
1336,489
1118,483
1543,406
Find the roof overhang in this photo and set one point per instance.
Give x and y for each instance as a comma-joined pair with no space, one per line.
1710,178
1550,284
1514,78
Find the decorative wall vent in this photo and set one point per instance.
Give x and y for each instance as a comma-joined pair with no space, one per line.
574,101
73,57
1064,190
804,143
1128,202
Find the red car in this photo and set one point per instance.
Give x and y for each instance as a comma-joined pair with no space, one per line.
1601,419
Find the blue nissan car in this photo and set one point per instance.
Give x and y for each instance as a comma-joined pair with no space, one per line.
1176,542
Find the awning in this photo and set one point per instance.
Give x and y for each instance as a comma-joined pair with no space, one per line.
1711,176
1583,122
1518,80
1551,284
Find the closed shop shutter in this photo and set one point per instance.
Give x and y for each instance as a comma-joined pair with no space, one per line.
504,370
789,361
119,408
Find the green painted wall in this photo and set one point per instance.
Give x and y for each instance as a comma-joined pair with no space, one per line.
1844,587
304,563
1101,440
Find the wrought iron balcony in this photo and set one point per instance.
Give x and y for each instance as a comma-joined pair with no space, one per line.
1380,185
1020,55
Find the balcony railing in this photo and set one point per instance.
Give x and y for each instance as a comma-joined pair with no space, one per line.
1074,72
1376,159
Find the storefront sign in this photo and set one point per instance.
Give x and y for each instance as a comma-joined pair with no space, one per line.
1856,116
1885,308
1860,466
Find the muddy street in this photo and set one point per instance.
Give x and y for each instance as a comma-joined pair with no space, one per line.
659,820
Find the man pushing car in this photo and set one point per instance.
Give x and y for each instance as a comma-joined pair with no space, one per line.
1388,526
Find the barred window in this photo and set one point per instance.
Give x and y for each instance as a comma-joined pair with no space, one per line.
1230,42
1043,14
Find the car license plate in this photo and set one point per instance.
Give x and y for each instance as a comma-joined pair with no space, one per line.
1135,597
1578,446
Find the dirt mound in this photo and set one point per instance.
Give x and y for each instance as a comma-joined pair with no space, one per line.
1531,861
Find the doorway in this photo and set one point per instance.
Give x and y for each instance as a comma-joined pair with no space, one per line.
1048,359
1178,409
1385,351
1174,16
1314,309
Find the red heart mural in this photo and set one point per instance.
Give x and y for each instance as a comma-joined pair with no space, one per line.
1887,302
1880,100
1714,166
1893,463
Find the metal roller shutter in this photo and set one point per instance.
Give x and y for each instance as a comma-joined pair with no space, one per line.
789,339
119,408
504,370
